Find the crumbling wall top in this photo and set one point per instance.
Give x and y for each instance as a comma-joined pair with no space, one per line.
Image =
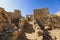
1,9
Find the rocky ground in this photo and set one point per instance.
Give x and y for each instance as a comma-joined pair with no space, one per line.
39,26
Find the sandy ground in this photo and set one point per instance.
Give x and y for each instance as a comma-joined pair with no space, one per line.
56,33
34,36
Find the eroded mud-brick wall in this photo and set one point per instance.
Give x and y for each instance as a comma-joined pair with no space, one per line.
41,14
15,15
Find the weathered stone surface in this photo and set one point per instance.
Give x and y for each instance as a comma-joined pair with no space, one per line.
39,26
4,16
21,22
4,19
9,31
29,17
54,21
41,14
15,15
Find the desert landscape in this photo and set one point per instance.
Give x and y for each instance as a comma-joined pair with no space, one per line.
41,25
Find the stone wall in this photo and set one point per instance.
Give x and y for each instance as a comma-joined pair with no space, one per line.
41,14
29,17
15,15
39,26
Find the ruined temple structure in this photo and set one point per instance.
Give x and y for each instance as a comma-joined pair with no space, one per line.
41,25
29,17
41,14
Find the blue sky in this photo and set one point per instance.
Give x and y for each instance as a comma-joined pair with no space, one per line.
27,6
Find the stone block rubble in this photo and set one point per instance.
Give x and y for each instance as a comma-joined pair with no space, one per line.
39,26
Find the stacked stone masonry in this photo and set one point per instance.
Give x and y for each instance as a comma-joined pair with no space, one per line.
39,26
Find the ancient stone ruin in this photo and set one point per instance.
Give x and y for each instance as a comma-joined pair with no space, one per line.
39,26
